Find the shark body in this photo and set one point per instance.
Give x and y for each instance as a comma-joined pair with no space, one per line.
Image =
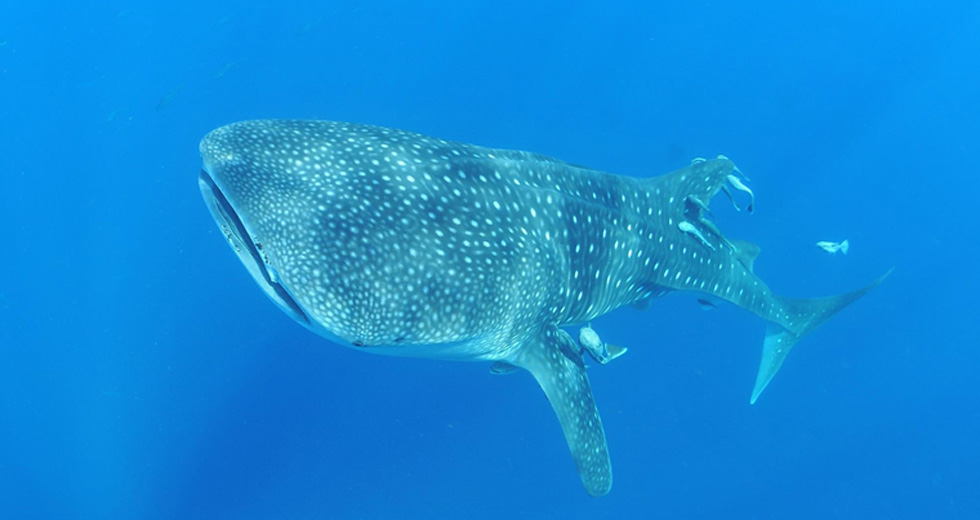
398,243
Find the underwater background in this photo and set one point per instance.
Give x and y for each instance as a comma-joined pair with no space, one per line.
144,375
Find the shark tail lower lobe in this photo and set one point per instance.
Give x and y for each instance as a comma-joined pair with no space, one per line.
805,316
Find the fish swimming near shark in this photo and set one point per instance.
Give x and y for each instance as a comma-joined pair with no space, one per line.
834,247
397,243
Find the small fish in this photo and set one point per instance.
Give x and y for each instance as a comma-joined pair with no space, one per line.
114,115
228,67
499,368
588,338
834,247
168,98
706,305
736,183
311,26
600,351
689,228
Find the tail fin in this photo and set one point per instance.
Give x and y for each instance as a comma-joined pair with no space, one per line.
807,314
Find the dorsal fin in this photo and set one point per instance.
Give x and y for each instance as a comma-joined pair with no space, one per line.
746,252
702,179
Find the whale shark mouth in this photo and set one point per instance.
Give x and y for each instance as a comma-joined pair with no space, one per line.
248,250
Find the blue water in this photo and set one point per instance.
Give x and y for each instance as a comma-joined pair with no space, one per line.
144,375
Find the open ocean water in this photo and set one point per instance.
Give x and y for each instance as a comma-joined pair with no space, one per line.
144,375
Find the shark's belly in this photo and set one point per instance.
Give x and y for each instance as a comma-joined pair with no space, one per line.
483,348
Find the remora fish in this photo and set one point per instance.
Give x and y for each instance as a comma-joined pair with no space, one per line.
397,243
834,247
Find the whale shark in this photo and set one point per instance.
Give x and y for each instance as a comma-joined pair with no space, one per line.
392,242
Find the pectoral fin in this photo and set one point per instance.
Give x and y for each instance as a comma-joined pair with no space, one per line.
554,360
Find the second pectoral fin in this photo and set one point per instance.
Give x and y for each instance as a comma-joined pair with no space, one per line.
554,359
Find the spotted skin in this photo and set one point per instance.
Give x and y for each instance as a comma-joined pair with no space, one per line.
563,379
398,243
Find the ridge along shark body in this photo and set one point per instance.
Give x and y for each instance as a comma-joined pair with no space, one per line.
398,243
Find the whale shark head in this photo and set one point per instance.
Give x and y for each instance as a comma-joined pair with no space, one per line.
268,188
244,240
308,209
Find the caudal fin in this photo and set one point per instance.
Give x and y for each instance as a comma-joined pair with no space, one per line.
805,316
